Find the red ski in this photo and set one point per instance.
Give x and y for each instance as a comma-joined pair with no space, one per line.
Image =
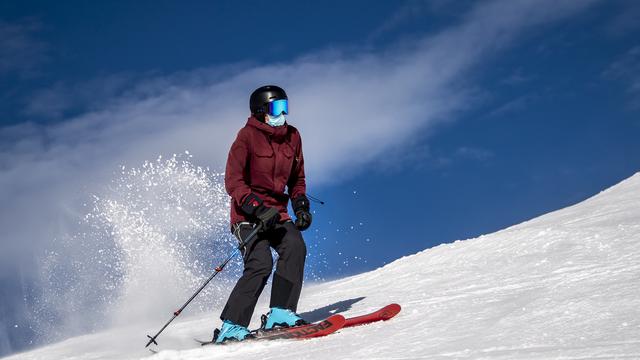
382,314
322,328
325,327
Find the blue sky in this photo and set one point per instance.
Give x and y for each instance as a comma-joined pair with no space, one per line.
457,118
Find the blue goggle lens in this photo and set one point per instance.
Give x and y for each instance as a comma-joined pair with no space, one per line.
278,107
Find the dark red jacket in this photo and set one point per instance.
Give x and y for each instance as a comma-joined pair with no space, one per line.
268,162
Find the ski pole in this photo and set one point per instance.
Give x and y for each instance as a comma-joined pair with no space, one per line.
218,269
315,199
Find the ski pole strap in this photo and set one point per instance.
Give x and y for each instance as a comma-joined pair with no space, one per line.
237,230
245,242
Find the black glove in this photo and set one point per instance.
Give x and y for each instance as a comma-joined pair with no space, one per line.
300,206
267,216
257,211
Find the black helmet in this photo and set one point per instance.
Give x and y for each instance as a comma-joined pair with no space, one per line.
264,95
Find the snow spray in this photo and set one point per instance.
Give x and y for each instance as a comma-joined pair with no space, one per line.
150,238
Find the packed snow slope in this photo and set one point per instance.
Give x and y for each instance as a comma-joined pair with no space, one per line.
565,285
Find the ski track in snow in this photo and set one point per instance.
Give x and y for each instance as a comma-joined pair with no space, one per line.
565,285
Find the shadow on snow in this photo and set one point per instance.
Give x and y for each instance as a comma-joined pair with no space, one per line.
326,311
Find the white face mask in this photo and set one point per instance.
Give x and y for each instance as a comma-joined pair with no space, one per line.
276,120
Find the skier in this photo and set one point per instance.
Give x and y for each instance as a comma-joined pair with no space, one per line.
265,158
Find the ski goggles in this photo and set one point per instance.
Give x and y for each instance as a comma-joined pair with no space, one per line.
275,108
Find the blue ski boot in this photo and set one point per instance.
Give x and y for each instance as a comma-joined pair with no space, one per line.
230,332
278,317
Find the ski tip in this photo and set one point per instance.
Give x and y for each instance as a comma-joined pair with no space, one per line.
337,320
390,311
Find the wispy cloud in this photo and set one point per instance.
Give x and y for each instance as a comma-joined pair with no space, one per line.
350,109
516,77
627,69
20,51
59,99
413,11
474,153
626,19
513,105
407,12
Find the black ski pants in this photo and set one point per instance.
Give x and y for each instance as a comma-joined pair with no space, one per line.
287,241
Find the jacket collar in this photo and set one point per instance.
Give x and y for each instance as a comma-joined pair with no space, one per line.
278,133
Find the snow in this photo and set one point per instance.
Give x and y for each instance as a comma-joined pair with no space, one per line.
565,285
